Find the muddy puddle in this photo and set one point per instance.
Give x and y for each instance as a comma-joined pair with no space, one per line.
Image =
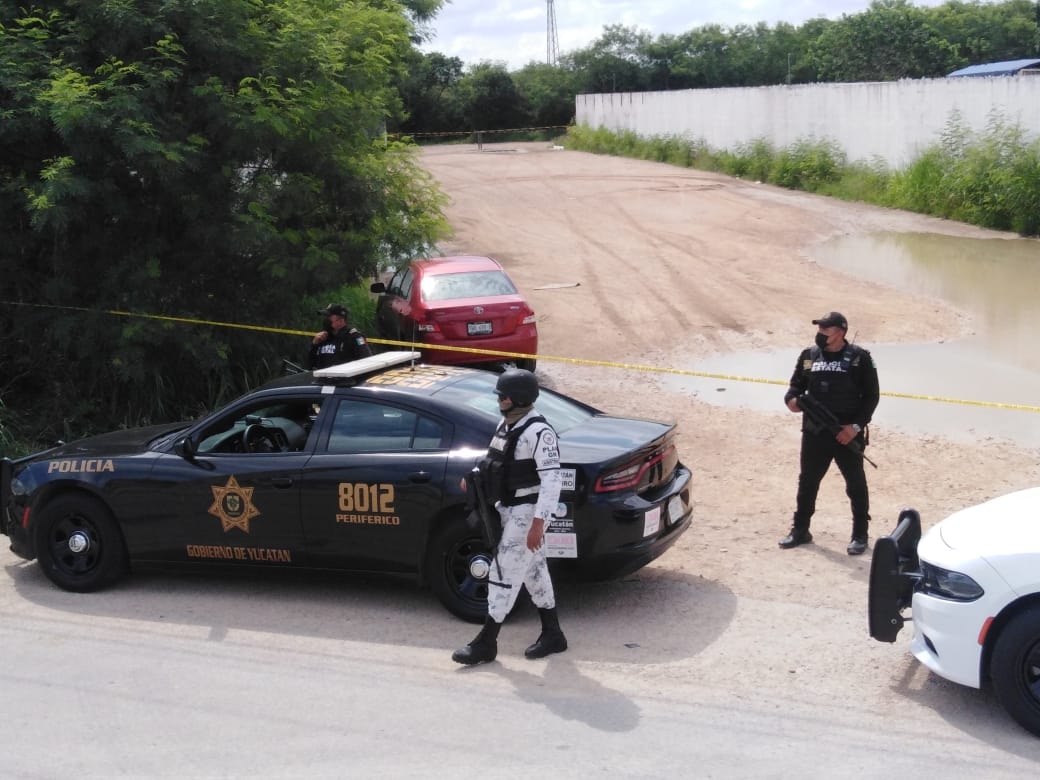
965,390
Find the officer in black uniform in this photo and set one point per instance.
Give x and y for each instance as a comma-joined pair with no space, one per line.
339,342
843,378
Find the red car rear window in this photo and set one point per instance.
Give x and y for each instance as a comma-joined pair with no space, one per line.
475,284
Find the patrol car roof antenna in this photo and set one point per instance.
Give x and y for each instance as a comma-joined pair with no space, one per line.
414,350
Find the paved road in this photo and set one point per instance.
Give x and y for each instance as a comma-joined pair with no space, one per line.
236,676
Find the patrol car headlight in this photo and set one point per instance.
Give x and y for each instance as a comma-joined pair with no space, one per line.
19,488
946,584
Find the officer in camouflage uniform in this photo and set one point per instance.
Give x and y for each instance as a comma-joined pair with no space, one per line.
524,463
843,378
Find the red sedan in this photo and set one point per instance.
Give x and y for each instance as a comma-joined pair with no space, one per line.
467,302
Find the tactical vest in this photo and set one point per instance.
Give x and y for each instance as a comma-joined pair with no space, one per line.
836,387
503,474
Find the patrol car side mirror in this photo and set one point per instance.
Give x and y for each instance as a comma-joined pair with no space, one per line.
185,447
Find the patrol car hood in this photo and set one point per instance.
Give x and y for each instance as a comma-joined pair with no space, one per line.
125,442
1008,524
603,437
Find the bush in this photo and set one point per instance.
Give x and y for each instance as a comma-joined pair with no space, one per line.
807,165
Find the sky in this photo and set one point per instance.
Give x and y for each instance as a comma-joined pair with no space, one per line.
515,31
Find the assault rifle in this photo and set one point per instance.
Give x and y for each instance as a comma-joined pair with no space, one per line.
476,494
824,419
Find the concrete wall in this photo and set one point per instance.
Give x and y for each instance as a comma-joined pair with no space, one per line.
891,121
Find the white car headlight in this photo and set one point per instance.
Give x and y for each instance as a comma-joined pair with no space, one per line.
946,584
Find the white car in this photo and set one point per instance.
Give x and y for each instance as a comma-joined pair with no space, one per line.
973,586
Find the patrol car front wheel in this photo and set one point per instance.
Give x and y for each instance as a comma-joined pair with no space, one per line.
78,544
457,565
1015,668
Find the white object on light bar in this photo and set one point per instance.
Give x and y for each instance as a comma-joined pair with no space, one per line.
366,365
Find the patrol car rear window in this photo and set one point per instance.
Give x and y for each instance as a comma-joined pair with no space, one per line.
478,392
360,426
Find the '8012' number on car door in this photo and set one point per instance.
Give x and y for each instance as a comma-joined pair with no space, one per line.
363,497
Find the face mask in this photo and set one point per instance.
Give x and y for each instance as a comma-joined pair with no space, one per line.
821,340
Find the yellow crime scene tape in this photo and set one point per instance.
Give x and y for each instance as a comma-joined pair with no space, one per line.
524,356
699,374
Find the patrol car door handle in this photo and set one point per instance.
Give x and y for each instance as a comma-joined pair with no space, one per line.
419,476
280,482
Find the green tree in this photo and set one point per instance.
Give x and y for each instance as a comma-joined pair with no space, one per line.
213,159
890,40
431,94
992,32
548,92
490,98
618,61
705,61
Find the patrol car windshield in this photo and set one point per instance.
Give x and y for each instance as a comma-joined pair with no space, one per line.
478,392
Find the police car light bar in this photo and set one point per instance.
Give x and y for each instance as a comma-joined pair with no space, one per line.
366,365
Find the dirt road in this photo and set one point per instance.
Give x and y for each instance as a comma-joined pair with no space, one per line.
674,265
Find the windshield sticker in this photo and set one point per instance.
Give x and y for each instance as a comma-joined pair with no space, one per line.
233,504
92,466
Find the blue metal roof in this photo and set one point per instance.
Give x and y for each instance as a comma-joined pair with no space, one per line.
1009,68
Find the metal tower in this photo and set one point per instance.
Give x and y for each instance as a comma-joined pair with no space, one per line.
552,41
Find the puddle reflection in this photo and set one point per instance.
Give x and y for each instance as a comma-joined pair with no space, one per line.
996,279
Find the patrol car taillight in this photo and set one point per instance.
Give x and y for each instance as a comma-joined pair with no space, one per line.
629,475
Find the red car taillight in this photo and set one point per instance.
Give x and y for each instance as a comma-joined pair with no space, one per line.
630,474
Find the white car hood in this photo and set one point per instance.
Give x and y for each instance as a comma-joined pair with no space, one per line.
1007,525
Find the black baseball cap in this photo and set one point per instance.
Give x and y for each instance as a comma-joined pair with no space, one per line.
335,308
834,319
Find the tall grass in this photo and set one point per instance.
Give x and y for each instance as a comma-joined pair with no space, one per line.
990,178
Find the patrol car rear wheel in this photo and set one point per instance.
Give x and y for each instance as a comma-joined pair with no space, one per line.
78,544
1015,669
456,560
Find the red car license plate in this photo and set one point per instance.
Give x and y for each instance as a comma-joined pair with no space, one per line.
478,328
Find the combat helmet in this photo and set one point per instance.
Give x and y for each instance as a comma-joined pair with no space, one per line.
518,385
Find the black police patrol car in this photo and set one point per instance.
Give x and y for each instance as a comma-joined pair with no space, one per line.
355,467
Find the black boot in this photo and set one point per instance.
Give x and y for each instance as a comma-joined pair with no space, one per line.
551,640
483,648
